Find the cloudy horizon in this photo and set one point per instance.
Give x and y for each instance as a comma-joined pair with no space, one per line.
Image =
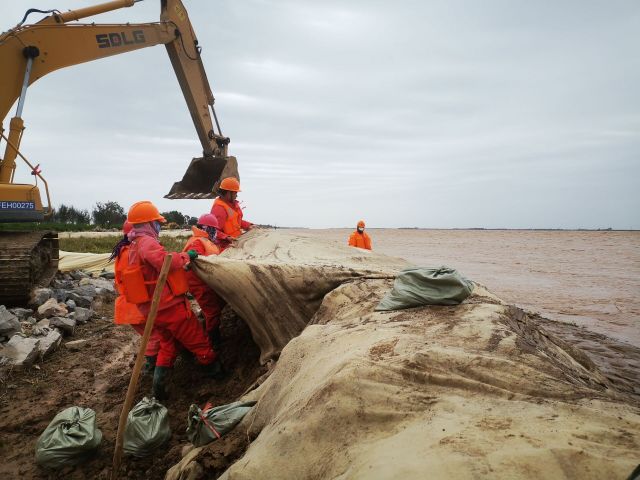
436,114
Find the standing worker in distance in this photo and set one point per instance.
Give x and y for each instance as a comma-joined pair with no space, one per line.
228,212
175,321
203,241
359,238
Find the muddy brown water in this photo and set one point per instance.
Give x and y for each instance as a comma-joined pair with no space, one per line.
590,279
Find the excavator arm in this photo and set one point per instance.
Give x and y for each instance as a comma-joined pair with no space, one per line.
29,52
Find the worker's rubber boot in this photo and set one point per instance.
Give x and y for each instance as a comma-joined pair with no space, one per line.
215,339
214,370
149,364
188,356
159,382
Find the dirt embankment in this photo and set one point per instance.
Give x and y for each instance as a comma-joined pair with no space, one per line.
97,377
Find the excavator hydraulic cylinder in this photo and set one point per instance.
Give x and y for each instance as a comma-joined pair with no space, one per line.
93,10
8,164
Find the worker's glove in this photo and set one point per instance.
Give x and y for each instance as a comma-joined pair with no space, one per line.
192,254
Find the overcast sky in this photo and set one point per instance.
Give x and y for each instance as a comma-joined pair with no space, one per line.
517,114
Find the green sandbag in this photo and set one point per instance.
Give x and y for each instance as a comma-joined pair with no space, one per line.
70,438
204,426
417,286
147,428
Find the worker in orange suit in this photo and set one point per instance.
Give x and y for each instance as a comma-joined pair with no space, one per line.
228,212
359,238
126,313
203,241
175,321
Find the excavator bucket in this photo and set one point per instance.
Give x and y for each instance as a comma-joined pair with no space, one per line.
203,176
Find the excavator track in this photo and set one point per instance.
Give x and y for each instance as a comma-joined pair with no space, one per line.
27,260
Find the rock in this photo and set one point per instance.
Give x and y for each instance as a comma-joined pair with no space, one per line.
82,315
37,331
26,328
31,320
21,313
50,342
80,300
63,283
108,275
21,351
76,344
99,283
71,305
188,468
40,295
9,323
67,325
78,275
51,308
103,292
44,323
60,294
85,290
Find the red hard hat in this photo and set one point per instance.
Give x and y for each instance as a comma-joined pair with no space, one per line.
231,184
143,212
127,227
209,220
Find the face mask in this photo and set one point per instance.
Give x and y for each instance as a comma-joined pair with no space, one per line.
213,233
360,229
157,227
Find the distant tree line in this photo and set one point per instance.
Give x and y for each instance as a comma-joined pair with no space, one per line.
110,215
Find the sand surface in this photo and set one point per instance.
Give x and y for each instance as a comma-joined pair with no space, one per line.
591,279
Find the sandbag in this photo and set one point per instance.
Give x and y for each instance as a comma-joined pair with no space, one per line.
147,428
69,439
208,424
418,286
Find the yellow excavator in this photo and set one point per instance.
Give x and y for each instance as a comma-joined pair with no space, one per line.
30,51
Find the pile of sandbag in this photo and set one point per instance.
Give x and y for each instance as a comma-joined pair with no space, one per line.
464,391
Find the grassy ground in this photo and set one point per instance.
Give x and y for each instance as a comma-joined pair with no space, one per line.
57,227
106,244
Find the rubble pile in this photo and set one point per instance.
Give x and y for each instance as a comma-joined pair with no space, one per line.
29,335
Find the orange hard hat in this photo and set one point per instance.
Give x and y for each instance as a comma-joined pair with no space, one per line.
143,212
231,184
361,223
209,220
127,227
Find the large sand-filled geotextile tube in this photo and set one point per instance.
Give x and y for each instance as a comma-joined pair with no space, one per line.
467,391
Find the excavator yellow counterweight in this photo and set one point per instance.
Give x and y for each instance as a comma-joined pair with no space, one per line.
20,203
